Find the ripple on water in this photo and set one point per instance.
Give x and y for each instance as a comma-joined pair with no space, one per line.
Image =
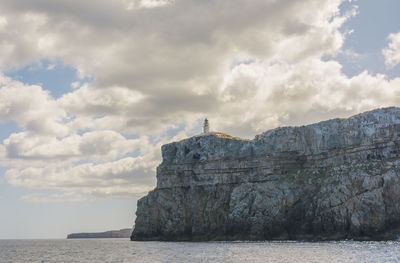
122,250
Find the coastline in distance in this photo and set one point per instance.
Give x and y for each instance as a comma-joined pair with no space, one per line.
122,233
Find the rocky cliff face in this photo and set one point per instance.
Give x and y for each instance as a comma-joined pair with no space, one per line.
337,179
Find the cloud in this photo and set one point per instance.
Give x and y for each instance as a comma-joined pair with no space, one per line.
31,107
158,68
259,96
135,4
126,177
54,198
96,145
392,52
149,50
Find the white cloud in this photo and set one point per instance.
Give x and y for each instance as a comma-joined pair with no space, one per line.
149,50
123,178
96,145
51,67
75,84
159,67
259,96
392,52
135,4
31,107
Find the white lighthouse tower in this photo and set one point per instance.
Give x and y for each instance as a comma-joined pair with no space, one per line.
206,126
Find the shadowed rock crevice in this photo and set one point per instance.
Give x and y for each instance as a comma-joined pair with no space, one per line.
336,179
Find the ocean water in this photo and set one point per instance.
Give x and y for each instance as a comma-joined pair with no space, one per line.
122,250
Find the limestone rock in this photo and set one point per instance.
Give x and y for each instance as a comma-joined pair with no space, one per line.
337,179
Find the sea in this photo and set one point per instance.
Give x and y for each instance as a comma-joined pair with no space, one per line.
123,250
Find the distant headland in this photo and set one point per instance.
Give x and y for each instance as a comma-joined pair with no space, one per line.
122,233
333,180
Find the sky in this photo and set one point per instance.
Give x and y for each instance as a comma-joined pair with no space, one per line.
90,90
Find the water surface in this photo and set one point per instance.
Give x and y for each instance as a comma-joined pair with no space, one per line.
122,250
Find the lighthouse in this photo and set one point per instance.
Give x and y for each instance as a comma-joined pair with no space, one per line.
206,126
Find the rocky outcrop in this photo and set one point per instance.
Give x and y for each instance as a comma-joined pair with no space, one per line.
337,179
122,233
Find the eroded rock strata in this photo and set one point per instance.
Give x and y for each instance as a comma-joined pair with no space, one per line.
337,179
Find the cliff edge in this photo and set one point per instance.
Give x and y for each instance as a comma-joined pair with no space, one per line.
336,179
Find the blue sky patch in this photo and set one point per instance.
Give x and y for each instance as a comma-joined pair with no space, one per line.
53,76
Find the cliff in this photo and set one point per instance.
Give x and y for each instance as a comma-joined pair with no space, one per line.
123,233
337,179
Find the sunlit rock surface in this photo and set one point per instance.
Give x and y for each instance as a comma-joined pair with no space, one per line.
337,179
